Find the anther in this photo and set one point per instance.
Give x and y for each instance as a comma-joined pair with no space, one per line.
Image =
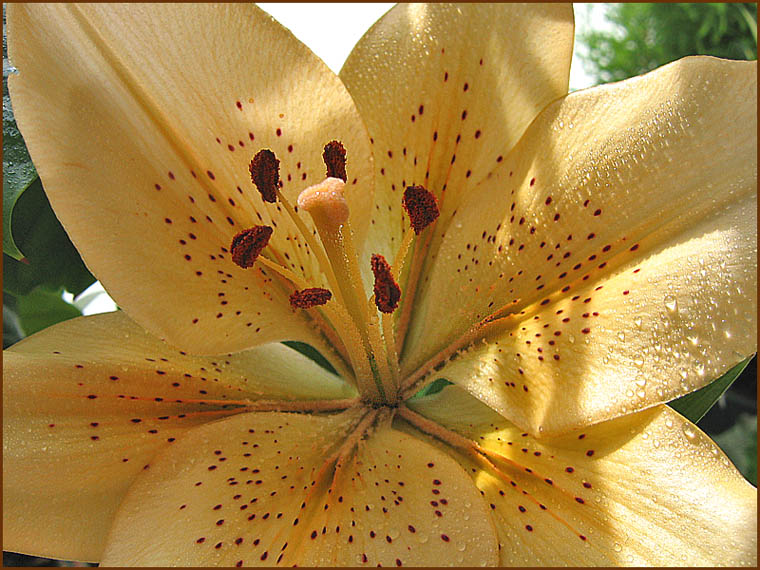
387,291
421,206
334,156
265,174
247,245
308,298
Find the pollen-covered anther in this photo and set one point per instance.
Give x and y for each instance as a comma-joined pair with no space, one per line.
265,174
387,292
308,298
325,202
421,206
248,244
334,156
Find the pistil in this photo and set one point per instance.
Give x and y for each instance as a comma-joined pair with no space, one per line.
329,211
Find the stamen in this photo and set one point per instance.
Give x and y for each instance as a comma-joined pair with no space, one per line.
334,156
265,174
421,206
247,245
387,291
308,298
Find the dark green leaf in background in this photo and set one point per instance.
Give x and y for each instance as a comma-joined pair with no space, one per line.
42,308
695,405
739,442
51,260
18,170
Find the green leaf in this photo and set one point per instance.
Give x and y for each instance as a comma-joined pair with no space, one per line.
42,308
310,352
51,260
695,405
433,388
18,171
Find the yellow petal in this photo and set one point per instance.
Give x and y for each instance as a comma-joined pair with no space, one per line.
645,489
142,121
658,174
658,327
273,500
88,403
438,81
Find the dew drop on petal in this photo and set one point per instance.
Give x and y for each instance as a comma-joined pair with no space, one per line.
670,303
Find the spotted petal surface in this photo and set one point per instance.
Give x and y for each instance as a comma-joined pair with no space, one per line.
83,421
617,244
447,90
648,489
148,169
256,490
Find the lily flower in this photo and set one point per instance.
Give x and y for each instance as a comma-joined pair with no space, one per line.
443,209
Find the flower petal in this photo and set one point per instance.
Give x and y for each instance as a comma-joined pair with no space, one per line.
435,81
142,121
661,326
585,207
275,501
88,403
645,489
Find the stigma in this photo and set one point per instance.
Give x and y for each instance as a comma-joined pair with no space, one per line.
325,202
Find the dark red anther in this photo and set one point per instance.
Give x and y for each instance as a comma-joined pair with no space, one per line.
265,174
421,206
308,298
247,245
387,291
335,160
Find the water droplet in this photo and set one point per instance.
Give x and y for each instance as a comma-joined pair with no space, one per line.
637,321
617,547
638,361
671,304
669,423
621,336
689,432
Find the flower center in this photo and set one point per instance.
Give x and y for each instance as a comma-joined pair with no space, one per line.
364,327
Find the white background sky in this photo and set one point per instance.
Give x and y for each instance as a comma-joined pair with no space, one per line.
331,30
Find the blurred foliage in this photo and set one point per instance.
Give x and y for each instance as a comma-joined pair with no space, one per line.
646,36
